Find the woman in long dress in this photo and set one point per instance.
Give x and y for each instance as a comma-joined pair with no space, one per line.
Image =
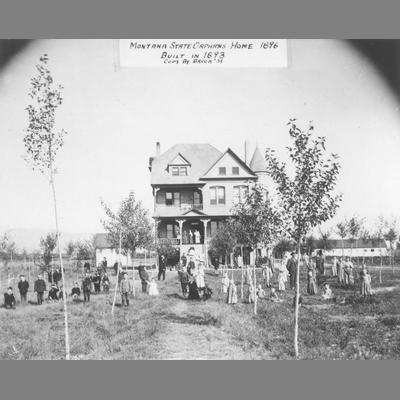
311,282
225,283
282,277
231,297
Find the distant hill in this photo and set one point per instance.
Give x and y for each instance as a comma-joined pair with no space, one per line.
29,239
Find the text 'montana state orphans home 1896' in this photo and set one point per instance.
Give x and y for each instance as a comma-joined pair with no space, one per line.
195,187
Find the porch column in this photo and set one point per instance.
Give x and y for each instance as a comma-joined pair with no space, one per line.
155,190
156,222
180,222
205,222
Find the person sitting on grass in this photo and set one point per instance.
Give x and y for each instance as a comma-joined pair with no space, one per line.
231,297
52,295
9,299
274,296
260,292
153,290
225,283
327,292
75,291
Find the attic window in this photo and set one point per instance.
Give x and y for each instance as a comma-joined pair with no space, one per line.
235,170
222,170
177,170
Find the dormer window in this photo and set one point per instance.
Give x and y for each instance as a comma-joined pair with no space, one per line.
179,166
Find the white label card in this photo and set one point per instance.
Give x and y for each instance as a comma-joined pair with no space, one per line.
230,53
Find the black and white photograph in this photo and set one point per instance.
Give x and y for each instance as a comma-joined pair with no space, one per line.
199,199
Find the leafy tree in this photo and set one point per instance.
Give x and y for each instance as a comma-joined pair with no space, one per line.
131,222
324,242
84,250
255,221
284,245
224,240
307,198
7,248
48,244
42,142
70,249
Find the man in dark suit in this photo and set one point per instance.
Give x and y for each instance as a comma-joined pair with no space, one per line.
292,268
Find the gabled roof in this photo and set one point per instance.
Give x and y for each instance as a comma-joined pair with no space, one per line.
193,212
257,163
200,156
236,158
102,241
179,160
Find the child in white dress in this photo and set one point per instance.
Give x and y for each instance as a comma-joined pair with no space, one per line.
153,290
225,283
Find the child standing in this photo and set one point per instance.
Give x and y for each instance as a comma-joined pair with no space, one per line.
225,283
125,288
153,290
86,286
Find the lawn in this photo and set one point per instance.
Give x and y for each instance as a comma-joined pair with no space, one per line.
170,327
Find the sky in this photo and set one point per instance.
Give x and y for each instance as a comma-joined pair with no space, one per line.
114,116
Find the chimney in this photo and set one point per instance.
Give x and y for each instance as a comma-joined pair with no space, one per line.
158,148
247,152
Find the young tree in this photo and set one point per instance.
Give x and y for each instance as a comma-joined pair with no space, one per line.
224,241
354,228
84,250
256,222
131,222
341,230
42,143
391,236
324,242
307,198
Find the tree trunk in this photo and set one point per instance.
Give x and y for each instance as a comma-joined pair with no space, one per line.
296,308
254,289
116,283
67,350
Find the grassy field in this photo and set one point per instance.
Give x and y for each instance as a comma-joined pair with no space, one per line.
170,327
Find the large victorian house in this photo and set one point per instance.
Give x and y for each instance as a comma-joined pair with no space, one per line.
195,187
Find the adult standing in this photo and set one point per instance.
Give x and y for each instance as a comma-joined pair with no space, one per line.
282,277
334,266
144,277
23,286
291,266
86,286
162,268
340,271
39,288
311,280
104,264
320,263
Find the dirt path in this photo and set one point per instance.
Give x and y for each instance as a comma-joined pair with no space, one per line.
190,335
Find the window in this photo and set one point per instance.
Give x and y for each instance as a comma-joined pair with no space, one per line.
197,198
221,195
173,198
175,171
217,195
235,170
172,231
183,171
222,170
240,193
178,170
